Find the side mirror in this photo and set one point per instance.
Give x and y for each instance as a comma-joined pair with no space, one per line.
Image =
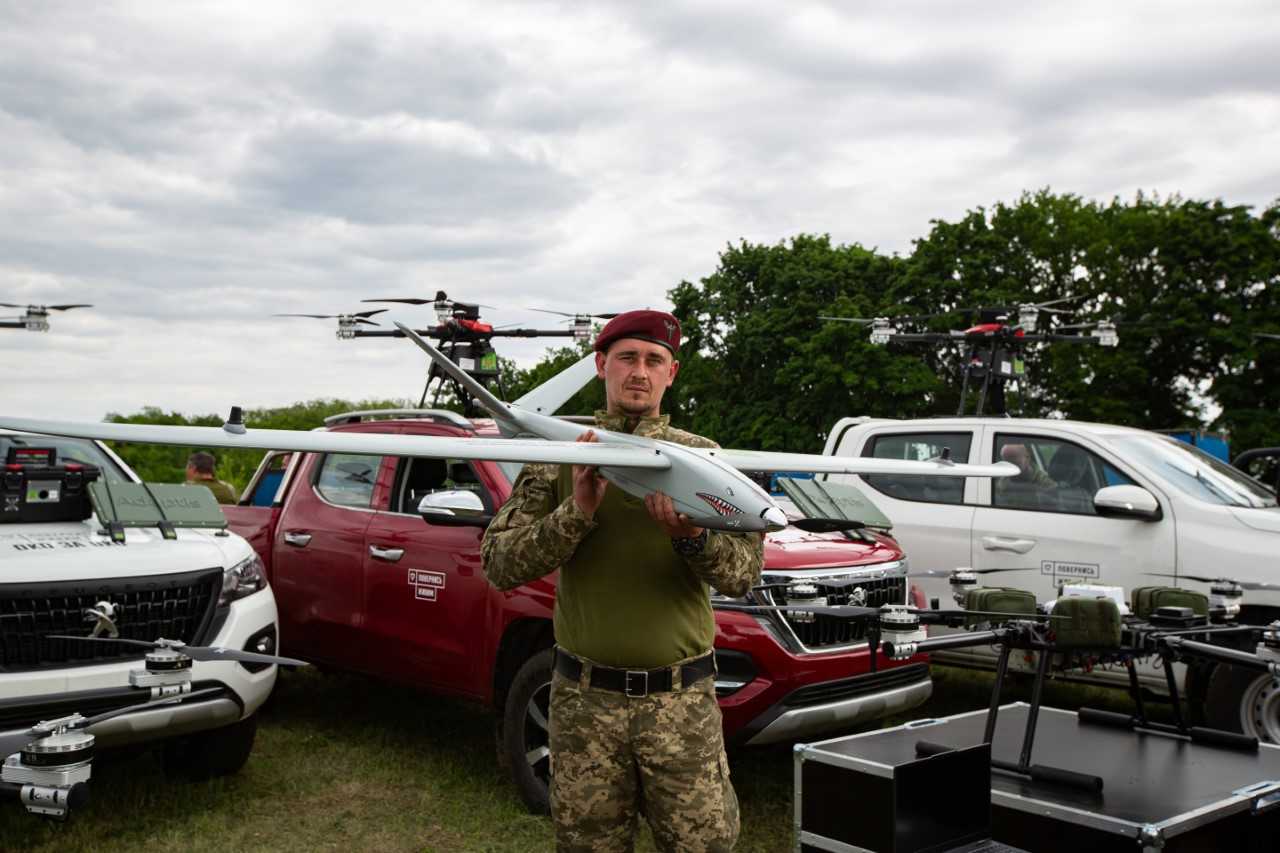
1127,502
454,508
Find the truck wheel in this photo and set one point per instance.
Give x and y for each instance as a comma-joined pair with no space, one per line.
526,736
1241,700
206,755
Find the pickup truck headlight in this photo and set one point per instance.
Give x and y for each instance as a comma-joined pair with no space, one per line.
244,578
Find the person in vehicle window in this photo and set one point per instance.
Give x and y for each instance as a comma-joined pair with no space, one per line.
200,472
1030,487
634,724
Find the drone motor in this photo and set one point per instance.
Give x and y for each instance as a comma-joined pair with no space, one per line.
962,580
167,673
52,772
800,595
1225,598
900,626
1269,645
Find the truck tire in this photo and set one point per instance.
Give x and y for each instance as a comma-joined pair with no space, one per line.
206,755
1241,700
526,736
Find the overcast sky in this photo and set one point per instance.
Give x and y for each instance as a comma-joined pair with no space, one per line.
193,167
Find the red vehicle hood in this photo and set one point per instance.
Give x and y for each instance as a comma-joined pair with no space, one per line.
795,549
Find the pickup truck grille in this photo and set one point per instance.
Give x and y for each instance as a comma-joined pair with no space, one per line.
177,607
821,631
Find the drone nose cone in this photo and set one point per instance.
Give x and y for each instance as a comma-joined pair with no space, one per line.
774,518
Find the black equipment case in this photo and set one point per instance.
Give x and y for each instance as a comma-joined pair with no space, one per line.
35,488
1160,792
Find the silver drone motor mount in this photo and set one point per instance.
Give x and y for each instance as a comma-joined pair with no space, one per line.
50,775
901,630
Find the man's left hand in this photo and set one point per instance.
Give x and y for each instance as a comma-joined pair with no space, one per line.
674,524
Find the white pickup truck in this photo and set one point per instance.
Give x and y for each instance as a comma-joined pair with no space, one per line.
1095,503
199,585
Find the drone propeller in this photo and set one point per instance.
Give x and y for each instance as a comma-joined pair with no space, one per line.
356,317
200,653
1250,585
946,573
47,307
606,316
856,611
441,299
826,525
1268,335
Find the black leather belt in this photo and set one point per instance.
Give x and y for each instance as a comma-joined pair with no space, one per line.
636,682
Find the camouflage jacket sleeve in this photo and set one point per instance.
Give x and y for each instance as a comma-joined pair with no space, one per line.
730,562
532,535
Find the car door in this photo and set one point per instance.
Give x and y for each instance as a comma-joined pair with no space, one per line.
425,593
319,558
931,516
1044,519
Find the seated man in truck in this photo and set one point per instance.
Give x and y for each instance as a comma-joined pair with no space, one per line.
634,719
1032,488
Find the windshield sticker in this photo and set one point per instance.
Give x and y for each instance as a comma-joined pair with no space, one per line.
426,585
51,541
1070,570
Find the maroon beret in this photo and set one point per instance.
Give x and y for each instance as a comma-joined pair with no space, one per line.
657,326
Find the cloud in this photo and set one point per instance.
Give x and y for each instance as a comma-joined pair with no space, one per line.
193,168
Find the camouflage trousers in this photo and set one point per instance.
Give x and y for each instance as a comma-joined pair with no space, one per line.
614,757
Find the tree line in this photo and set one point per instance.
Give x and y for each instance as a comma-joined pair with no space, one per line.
1189,284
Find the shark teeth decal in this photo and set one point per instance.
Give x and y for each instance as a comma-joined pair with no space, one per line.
719,504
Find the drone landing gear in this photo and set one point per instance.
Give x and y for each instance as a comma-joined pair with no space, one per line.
1023,767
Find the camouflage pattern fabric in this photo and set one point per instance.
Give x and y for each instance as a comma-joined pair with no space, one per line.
614,756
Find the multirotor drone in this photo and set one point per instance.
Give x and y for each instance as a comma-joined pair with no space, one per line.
464,337
994,345
35,318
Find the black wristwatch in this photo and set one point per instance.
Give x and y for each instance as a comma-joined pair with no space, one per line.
690,546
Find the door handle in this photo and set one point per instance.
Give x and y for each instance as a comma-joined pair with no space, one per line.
1004,543
391,555
298,540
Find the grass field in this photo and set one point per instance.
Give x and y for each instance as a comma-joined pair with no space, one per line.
346,763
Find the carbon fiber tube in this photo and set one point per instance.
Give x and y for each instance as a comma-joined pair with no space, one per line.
950,641
1219,653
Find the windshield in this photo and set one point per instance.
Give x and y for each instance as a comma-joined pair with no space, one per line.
68,450
1194,472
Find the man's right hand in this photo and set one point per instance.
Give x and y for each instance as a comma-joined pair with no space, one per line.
588,485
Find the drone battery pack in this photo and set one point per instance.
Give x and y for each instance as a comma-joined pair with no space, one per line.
998,599
1146,599
42,493
1089,623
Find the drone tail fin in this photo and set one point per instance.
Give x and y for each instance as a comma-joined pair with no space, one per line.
556,391
500,410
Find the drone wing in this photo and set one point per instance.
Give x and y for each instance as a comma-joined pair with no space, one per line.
768,461
371,444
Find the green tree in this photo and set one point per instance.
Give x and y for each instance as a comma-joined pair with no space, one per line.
157,463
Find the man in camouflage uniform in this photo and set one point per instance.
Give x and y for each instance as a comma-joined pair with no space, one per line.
635,726
200,472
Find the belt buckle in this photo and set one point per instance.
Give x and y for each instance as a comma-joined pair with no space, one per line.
644,689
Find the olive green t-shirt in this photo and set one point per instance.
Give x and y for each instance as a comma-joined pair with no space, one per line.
625,597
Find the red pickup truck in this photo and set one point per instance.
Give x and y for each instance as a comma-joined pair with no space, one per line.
362,583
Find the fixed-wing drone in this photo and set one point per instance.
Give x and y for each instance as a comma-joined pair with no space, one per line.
707,485
994,345
36,318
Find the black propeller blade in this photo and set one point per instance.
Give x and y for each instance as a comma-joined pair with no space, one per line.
946,573
67,307
357,316
1251,585
826,525
200,653
607,316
